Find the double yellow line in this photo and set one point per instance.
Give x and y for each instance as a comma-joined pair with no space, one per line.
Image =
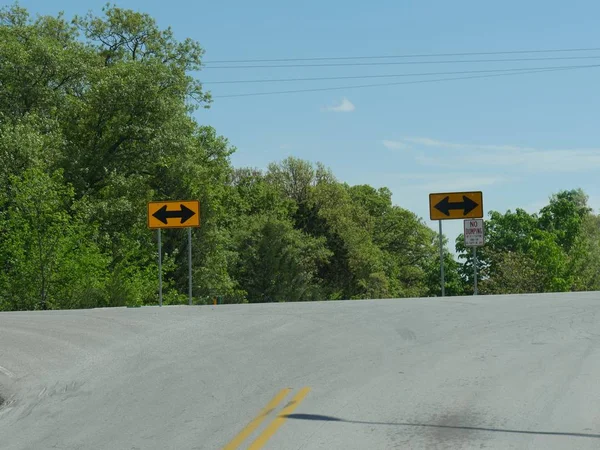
272,428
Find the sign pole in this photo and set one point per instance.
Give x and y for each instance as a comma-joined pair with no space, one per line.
453,205
160,295
190,264
174,214
475,269
442,260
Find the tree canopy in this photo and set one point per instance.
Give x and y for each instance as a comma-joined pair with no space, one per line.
553,251
96,120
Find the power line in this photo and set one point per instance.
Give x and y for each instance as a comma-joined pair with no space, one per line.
353,77
295,91
461,61
427,55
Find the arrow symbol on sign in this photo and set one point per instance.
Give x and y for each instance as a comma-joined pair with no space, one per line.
445,206
184,214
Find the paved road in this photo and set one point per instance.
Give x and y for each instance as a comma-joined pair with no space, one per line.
504,373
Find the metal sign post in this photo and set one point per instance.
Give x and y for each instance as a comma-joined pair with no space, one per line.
453,205
475,270
443,281
474,237
190,264
174,214
160,296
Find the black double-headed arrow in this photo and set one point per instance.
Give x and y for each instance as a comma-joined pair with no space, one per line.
184,214
445,206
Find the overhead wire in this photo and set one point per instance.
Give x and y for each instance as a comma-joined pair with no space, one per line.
426,55
436,80
460,61
351,77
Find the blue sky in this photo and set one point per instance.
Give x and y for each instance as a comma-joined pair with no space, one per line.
516,138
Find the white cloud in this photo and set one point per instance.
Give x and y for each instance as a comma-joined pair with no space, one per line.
427,142
394,145
344,106
459,182
527,159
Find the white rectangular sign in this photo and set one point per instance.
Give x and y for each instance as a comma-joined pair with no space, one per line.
474,233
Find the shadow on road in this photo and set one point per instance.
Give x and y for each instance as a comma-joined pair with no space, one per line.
425,425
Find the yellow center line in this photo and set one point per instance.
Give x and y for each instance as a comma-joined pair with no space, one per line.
262,439
257,420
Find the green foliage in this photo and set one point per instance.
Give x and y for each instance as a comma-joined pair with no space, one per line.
410,249
584,264
515,273
278,263
564,216
50,258
102,105
43,64
96,120
453,283
550,252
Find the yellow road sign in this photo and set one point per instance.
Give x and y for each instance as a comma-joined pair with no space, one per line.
174,214
456,205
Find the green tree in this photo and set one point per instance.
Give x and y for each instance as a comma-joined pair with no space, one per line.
512,232
49,256
585,255
44,65
356,266
564,216
533,253
96,120
115,94
278,263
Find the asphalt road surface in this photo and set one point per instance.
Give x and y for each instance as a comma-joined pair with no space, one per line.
518,372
